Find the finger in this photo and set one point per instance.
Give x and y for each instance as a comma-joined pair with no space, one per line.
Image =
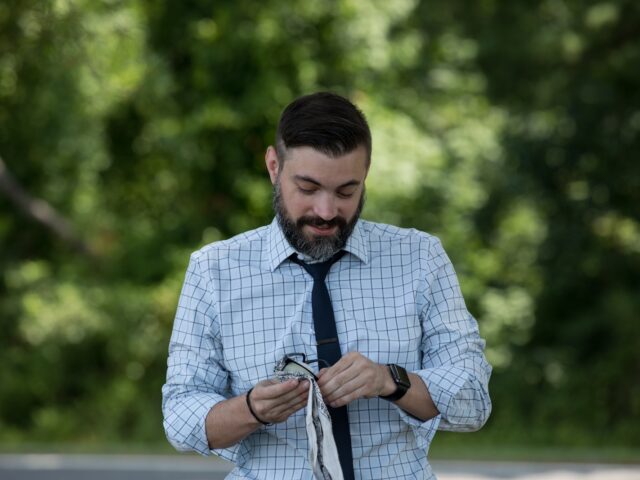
272,389
271,403
349,397
343,386
291,407
340,366
301,403
344,378
364,380
286,409
283,416
266,383
300,391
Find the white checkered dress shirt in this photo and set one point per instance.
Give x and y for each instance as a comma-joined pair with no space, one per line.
396,299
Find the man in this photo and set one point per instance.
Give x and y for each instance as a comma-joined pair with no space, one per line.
411,357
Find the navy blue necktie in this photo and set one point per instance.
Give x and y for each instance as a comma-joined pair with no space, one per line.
329,350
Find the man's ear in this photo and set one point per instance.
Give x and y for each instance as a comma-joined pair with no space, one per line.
273,166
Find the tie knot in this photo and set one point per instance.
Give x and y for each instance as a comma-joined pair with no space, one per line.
318,270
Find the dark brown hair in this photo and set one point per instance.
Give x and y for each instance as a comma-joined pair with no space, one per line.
324,121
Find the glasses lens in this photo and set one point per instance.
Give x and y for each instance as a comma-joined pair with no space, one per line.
294,366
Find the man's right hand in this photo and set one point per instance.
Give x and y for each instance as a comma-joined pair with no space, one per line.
229,421
274,401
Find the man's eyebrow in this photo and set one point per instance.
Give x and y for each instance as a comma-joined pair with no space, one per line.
304,178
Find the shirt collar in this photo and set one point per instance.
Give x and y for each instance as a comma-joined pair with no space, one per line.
357,243
279,248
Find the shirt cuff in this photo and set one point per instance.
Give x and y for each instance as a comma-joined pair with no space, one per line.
185,425
424,431
444,384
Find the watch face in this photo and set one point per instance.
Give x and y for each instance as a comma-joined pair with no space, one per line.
400,376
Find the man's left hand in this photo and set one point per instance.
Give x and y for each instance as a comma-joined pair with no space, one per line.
354,376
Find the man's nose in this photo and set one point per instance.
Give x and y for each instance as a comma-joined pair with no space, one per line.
325,207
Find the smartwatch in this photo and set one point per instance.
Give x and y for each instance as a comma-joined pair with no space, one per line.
401,379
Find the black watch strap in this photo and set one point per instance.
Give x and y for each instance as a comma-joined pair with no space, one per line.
401,379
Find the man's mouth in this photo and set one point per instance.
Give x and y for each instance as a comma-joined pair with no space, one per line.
322,229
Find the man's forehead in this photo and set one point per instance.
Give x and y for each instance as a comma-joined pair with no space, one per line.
311,163
308,179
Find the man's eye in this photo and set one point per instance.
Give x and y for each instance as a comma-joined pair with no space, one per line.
306,191
345,195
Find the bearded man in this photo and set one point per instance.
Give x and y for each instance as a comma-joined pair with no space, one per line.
398,354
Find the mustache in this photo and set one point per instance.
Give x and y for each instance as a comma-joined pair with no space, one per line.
320,222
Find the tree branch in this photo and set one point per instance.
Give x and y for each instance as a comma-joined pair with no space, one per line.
40,211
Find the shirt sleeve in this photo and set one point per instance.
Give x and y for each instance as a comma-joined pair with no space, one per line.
454,367
196,378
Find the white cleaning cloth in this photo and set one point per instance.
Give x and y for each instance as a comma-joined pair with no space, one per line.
323,454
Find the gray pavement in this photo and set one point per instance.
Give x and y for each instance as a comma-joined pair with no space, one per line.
110,467
188,467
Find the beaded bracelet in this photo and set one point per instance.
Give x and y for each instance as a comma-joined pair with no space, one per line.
251,409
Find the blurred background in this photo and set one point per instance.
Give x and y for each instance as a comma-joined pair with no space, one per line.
133,132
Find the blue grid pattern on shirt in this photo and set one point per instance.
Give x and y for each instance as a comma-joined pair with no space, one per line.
396,299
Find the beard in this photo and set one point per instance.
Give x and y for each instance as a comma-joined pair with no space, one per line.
319,248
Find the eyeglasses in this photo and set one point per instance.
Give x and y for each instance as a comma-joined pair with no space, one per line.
298,363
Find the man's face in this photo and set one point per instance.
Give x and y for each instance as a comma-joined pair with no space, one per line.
317,198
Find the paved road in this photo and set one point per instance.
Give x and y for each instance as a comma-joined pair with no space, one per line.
154,467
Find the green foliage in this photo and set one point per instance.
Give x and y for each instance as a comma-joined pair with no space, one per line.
507,129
